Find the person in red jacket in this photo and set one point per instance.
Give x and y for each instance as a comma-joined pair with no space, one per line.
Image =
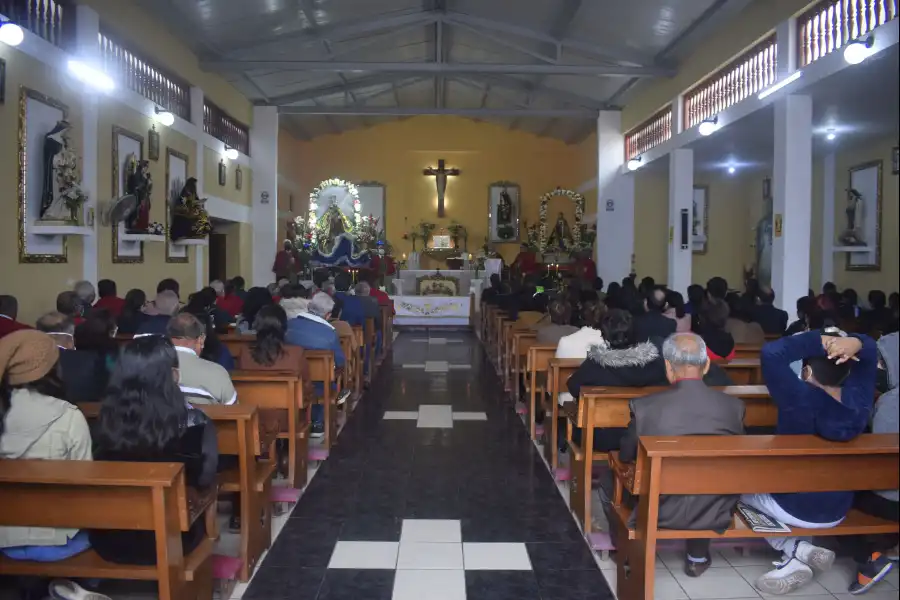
229,301
526,262
109,300
9,311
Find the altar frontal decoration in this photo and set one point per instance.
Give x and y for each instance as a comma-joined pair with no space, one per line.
561,237
334,208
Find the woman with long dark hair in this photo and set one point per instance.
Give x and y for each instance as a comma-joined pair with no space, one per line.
202,305
677,312
145,418
132,315
257,297
269,352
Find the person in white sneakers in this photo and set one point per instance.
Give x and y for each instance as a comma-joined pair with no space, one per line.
832,399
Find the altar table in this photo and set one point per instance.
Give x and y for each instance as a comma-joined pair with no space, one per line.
405,282
431,310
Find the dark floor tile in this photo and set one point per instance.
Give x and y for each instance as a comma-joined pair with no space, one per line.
305,543
371,528
573,585
574,556
501,585
278,583
347,584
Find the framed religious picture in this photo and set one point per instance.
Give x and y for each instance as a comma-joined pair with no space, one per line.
895,152
861,225
2,81
153,143
238,178
700,220
503,212
291,202
223,172
177,173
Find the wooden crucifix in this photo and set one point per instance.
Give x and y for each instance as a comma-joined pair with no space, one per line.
440,178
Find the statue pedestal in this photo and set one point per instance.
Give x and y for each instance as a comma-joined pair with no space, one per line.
55,230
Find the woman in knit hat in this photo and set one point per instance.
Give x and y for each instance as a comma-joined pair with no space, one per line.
38,425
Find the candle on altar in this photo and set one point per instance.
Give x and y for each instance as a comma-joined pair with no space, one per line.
404,256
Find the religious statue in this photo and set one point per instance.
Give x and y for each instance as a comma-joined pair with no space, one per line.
189,218
852,236
62,196
440,180
561,235
504,208
139,185
764,234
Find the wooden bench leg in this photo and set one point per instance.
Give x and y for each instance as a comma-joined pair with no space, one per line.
580,486
201,588
631,567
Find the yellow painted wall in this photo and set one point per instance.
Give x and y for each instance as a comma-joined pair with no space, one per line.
228,191
396,153
888,278
750,26
35,285
152,39
144,275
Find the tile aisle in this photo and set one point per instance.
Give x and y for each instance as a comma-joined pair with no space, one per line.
433,492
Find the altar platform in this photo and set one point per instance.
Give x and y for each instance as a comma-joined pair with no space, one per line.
431,311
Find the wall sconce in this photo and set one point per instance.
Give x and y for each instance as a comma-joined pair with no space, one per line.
859,50
164,117
230,153
11,34
709,126
635,163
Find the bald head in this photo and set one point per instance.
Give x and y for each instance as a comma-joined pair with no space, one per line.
166,302
685,356
59,327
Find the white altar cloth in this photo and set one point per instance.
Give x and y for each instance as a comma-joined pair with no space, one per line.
405,281
431,310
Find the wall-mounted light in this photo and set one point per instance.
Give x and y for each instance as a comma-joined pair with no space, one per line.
91,76
635,163
709,126
831,135
164,117
230,153
860,50
783,83
731,170
11,34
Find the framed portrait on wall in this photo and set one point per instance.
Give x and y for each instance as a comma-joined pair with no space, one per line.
153,143
503,212
127,149
862,217
700,220
223,173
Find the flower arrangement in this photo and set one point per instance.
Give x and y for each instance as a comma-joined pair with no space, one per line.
425,229
70,188
156,228
575,197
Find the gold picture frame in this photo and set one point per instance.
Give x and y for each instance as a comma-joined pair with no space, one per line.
878,165
494,191
22,153
238,178
116,192
170,153
223,173
153,144
701,246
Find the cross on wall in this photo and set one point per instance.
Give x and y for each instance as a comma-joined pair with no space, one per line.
440,179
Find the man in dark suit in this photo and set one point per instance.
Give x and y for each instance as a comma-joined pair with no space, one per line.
166,305
9,311
773,320
653,324
83,372
687,408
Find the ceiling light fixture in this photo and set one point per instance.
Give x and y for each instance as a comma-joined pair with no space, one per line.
230,153
165,117
859,50
11,34
709,126
635,163
91,76
731,170
830,135
783,83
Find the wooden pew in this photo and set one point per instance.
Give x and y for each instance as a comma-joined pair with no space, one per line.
744,371
747,351
723,465
370,341
609,407
110,495
235,341
387,329
272,391
521,342
537,366
321,370
560,371
239,434
525,322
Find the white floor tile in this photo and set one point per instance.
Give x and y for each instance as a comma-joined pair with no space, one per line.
893,578
717,582
496,557
813,588
666,587
435,415
436,366
469,416
401,415
838,578
442,531
671,558
239,590
437,341
427,556
364,555
413,365
752,556
430,585
875,594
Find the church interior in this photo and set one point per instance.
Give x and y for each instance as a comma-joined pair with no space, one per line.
462,298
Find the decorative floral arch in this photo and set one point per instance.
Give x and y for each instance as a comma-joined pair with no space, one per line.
575,197
314,222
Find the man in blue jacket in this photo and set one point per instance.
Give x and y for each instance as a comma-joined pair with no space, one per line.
833,399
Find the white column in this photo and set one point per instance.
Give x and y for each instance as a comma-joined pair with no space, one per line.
197,98
681,198
615,201
792,195
87,29
828,198
264,213
786,47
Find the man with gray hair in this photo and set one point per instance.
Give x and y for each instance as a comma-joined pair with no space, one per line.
86,295
166,305
688,407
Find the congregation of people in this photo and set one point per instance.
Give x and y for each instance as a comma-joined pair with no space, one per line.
150,363
824,371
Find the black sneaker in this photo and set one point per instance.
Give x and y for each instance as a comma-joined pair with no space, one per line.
695,569
875,569
317,430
